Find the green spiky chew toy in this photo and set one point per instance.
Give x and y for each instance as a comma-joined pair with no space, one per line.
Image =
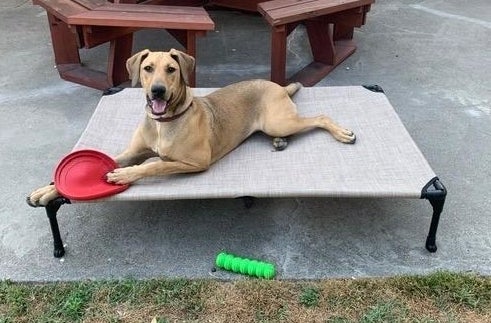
250,267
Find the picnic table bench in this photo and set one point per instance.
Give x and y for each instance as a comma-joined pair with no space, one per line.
78,24
330,25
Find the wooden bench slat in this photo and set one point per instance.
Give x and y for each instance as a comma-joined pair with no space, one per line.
248,5
185,3
61,9
283,12
91,4
146,20
280,12
279,4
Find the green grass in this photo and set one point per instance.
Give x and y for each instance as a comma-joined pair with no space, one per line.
438,297
391,311
446,287
73,304
309,296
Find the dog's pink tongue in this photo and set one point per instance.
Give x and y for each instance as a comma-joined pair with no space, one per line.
159,106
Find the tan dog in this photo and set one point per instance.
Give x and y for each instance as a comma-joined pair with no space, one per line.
190,133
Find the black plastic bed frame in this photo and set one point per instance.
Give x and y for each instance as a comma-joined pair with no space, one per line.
434,192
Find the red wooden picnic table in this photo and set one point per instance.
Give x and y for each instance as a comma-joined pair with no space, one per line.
76,24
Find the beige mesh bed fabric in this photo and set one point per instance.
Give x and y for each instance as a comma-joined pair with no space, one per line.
384,162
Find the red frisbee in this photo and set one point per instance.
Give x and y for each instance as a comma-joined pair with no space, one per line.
81,175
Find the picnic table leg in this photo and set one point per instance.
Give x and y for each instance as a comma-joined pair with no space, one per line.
66,46
64,42
188,40
191,50
321,41
327,52
278,54
119,51
343,32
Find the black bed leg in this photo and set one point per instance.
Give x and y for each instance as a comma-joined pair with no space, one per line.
435,193
248,201
51,211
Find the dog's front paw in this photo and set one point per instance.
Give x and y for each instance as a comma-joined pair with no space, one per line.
345,136
121,176
42,196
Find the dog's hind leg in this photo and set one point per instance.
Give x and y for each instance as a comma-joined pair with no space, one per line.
293,88
282,120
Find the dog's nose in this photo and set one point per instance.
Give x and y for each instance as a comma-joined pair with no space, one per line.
158,91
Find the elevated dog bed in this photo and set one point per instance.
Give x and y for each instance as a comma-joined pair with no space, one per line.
384,163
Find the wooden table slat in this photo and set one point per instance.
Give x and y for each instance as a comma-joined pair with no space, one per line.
149,20
91,4
176,10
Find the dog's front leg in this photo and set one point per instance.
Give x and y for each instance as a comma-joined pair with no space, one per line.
42,196
137,151
127,175
131,157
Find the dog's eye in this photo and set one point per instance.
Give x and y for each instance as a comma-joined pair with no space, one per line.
148,68
171,69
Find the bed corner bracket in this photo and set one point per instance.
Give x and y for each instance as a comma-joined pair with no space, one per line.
112,90
51,211
374,88
435,193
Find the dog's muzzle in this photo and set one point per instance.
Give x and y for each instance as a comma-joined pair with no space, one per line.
157,99
158,106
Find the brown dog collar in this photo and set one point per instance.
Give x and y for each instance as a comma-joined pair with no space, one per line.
174,117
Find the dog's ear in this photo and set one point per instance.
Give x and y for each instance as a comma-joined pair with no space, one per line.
185,61
133,65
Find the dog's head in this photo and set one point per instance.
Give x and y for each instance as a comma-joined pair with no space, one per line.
164,77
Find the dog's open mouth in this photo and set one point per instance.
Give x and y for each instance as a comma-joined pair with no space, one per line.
158,106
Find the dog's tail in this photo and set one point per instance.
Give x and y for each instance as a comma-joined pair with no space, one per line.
293,88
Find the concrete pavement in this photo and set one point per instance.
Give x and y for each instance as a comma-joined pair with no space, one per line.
431,58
